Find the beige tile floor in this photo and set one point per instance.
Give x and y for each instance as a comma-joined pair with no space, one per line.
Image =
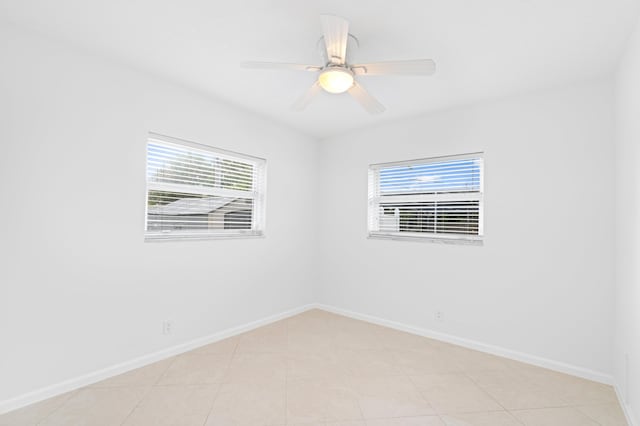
319,368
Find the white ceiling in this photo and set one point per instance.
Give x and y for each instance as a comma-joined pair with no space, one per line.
484,49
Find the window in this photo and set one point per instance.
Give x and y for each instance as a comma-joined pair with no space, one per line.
435,198
195,191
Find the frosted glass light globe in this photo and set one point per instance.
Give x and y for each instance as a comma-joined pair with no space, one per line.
336,80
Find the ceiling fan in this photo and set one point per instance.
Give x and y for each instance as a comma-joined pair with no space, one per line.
338,75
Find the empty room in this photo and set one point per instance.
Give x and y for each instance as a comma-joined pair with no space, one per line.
347,213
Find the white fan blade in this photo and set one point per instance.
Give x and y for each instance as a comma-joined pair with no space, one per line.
280,65
367,101
336,33
415,67
306,99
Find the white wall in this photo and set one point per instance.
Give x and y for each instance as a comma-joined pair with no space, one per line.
542,283
627,323
80,289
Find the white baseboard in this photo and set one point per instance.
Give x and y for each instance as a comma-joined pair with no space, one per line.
628,413
105,373
479,346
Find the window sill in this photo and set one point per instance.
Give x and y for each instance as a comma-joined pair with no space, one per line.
462,240
199,237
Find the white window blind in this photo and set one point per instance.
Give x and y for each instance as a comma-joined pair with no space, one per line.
195,191
436,198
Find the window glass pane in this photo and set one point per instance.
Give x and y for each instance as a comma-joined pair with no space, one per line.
239,219
437,217
441,177
172,211
202,192
168,164
435,198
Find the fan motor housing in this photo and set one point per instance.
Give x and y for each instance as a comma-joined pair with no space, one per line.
352,45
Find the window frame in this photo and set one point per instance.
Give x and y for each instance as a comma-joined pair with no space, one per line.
375,199
258,195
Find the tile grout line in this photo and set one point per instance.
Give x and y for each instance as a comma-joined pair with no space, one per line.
483,390
574,407
360,408
155,383
72,394
233,355
408,377
213,402
439,415
137,405
511,410
286,379
506,410
595,420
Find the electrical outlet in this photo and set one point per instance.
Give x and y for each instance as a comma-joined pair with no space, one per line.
167,327
439,316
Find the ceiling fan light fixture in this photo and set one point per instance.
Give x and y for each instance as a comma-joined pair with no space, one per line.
338,74
336,79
